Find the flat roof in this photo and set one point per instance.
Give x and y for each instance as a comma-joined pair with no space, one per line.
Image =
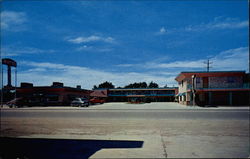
169,88
212,71
134,88
52,87
184,75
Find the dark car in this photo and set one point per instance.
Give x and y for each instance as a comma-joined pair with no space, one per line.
18,102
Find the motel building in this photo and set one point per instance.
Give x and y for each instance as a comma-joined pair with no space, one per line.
138,95
214,88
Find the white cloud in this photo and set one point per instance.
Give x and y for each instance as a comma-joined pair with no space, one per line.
84,48
219,23
18,51
13,21
161,73
126,65
177,64
46,73
162,31
92,38
93,49
233,59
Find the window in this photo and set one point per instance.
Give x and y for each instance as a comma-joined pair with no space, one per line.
52,98
198,80
230,79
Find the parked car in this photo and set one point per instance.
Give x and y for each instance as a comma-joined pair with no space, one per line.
80,102
18,102
96,100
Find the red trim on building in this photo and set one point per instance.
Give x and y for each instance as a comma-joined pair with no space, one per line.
220,90
184,75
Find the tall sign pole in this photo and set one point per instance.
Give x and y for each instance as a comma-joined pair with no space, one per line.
248,45
10,63
15,81
1,83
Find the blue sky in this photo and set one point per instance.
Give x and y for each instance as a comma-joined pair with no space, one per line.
89,42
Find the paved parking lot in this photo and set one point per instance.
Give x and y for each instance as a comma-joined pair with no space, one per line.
143,106
120,130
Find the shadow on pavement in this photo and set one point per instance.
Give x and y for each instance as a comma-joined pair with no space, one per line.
26,148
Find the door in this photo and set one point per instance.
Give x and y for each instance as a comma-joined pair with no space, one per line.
205,82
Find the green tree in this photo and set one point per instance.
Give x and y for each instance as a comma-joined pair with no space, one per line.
143,85
166,86
137,85
106,85
153,85
94,87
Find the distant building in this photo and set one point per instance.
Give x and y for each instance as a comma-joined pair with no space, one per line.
214,88
137,94
56,94
100,93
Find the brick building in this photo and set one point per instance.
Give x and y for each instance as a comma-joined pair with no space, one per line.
214,88
56,94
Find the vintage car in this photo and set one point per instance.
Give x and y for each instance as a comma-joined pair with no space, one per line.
18,102
80,102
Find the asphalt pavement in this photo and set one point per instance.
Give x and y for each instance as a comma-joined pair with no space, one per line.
120,130
140,114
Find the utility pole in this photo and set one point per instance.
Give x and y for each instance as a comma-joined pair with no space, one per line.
194,88
208,63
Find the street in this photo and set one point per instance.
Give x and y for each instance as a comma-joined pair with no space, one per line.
163,132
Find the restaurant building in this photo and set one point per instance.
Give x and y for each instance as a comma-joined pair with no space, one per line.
56,94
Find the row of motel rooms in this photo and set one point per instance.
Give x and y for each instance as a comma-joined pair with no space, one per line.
214,88
194,88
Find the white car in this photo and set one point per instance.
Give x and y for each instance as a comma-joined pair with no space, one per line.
80,102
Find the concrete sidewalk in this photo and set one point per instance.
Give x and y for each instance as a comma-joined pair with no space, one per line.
159,105
128,106
172,135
